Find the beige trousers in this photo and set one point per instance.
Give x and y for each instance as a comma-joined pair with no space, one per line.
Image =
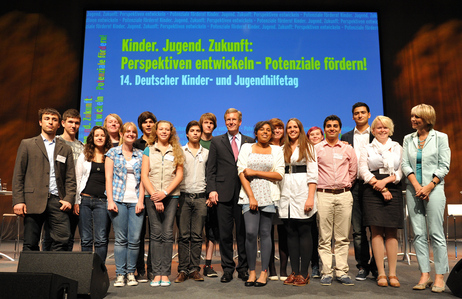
334,217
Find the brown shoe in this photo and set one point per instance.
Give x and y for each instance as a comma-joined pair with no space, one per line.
196,276
301,281
394,283
290,279
382,281
181,277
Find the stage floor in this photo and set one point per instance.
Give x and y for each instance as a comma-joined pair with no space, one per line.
213,288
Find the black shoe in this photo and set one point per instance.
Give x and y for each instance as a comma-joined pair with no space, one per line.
243,274
227,277
209,272
141,277
260,284
250,283
362,274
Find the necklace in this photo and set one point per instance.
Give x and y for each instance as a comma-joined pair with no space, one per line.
422,143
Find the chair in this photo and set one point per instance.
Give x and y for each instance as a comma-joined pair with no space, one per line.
454,210
16,243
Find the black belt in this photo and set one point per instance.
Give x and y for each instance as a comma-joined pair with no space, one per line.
295,168
194,195
334,191
52,195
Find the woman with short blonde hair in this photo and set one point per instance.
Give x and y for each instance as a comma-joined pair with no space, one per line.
426,160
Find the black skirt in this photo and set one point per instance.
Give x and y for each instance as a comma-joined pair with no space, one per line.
379,212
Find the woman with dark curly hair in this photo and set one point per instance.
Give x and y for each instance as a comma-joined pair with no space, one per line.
260,166
91,200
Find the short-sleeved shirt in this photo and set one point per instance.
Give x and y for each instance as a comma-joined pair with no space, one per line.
76,147
120,172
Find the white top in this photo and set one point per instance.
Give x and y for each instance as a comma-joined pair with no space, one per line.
130,190
294,189
278,166
82,173
360,140
386,158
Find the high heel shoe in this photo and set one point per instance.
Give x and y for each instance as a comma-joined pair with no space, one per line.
436,289
423,286
249,283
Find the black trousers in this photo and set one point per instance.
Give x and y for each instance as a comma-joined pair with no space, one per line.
300,244
360,241
57,222
230,214
140,267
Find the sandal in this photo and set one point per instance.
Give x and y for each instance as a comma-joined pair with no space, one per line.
394,281
382,281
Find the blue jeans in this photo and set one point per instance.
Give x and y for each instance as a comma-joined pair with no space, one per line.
127,228
94,219
161,234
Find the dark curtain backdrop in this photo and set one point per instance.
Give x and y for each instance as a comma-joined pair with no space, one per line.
41,54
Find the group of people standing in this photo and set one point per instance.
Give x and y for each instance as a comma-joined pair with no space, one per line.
313,185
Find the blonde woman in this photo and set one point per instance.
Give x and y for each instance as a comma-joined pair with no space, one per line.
113,124
125,195
426,160
380,168
162,174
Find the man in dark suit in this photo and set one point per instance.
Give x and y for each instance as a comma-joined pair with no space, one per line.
44,184
357,138
223,186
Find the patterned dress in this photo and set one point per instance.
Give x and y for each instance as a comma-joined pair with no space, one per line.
261,187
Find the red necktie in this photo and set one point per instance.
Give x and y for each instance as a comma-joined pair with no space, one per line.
234,147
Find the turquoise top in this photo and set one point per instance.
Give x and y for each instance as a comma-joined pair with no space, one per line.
418,166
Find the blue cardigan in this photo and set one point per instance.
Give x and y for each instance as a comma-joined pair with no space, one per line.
436,156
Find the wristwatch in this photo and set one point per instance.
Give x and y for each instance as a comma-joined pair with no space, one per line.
165,192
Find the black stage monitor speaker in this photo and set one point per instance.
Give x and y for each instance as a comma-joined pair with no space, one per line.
37,286
86,268
454,281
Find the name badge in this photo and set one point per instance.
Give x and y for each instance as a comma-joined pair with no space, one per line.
201,159
61,159
169,158
338,156
383,171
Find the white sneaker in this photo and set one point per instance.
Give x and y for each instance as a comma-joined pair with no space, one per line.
131,280
120,280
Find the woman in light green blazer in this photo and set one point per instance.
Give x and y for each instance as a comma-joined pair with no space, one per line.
426,159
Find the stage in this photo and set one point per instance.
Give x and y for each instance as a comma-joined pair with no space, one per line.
213,288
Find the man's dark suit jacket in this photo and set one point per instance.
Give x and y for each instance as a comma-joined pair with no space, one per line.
31,175
221,170
350,138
